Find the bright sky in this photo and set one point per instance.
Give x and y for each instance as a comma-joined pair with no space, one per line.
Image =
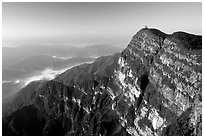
95,22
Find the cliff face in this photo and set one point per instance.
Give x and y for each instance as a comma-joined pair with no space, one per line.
161,78
152,88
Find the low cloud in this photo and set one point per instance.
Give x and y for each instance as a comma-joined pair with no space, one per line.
46,74
61,57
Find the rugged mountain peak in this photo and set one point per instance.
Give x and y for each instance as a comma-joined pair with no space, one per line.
151,33
149,40
152,88
164,78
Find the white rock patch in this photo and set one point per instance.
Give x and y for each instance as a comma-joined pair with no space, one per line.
156,120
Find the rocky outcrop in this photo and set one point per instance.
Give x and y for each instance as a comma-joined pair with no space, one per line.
152,88
161,77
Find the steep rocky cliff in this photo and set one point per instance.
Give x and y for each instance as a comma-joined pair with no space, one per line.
160,76
152,88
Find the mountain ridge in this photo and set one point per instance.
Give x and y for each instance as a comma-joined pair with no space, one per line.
151,86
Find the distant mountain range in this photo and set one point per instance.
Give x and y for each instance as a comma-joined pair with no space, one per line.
13,55
38,63
23,64
152,88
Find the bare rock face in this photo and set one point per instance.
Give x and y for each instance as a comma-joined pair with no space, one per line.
161,78
152,88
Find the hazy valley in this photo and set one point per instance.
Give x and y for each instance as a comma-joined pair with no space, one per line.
24,64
